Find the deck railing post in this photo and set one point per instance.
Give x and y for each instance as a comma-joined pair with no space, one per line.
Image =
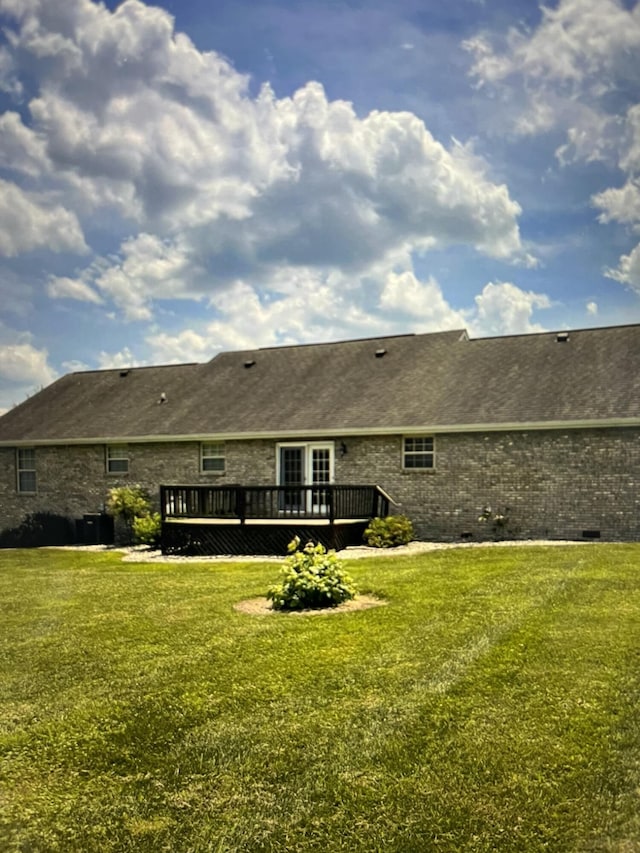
163,503
330,501
241,503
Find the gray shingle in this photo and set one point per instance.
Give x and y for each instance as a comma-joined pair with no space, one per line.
430,381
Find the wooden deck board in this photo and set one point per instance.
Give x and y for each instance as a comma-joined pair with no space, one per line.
303,522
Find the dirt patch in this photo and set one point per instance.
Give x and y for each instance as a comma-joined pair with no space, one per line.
262,607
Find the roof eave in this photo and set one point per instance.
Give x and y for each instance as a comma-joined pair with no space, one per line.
397,429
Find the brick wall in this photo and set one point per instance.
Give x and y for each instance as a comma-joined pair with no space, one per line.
556,483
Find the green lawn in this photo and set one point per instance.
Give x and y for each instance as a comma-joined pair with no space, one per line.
491,705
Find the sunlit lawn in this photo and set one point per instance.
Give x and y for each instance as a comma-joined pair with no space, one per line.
492,704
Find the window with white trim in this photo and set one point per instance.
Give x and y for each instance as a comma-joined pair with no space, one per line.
117,459
212,457
26,467
418,453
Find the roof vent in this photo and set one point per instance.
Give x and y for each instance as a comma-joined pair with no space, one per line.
381,352
562,337
163,398
249,363
124,372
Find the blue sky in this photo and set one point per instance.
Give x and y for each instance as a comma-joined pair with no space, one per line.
194,176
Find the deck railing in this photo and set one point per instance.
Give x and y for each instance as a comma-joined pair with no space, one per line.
329,502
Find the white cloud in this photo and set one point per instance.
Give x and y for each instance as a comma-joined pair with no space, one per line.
21,149
404,293
148,268
503,308
129,119
62,287
628,270
28,221
578,72
592,308
24,367
185,346
630,161
123,358
246,319
578,41
75,366
21,362
620,204
572,71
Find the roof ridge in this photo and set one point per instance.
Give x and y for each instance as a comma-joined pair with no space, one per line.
569,329
458,331
134,367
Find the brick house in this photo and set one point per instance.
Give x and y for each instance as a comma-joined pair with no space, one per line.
546,425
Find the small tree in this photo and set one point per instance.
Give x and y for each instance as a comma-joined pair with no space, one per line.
311,578
128,503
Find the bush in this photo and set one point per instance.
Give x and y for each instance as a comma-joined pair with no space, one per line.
311,577
389,532
129,503
146,530
37,530
498,521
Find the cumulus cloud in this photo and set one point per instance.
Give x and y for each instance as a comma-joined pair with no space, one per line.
127,118
628,270
28,221
123,358
503,308
577,71
25,364
187,345
246,319
620,204
573,71
404,293
23,367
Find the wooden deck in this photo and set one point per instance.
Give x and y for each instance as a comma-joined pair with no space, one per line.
205,520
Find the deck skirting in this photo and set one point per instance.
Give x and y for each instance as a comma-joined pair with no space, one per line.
200,537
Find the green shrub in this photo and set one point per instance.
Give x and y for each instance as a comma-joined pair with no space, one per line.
128,503
146,530
311,577
389,532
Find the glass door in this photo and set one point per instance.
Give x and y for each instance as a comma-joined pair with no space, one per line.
292,475
307,465
320,475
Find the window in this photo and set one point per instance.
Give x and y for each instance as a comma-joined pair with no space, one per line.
117,459
26,470
212,457
418,453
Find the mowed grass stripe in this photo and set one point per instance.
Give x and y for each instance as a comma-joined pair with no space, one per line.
491,705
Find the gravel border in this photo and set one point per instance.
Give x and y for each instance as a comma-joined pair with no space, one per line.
142,554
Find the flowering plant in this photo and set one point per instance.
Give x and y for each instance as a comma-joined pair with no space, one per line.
311,577
496,518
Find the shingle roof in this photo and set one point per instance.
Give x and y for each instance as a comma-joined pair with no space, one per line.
421,381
